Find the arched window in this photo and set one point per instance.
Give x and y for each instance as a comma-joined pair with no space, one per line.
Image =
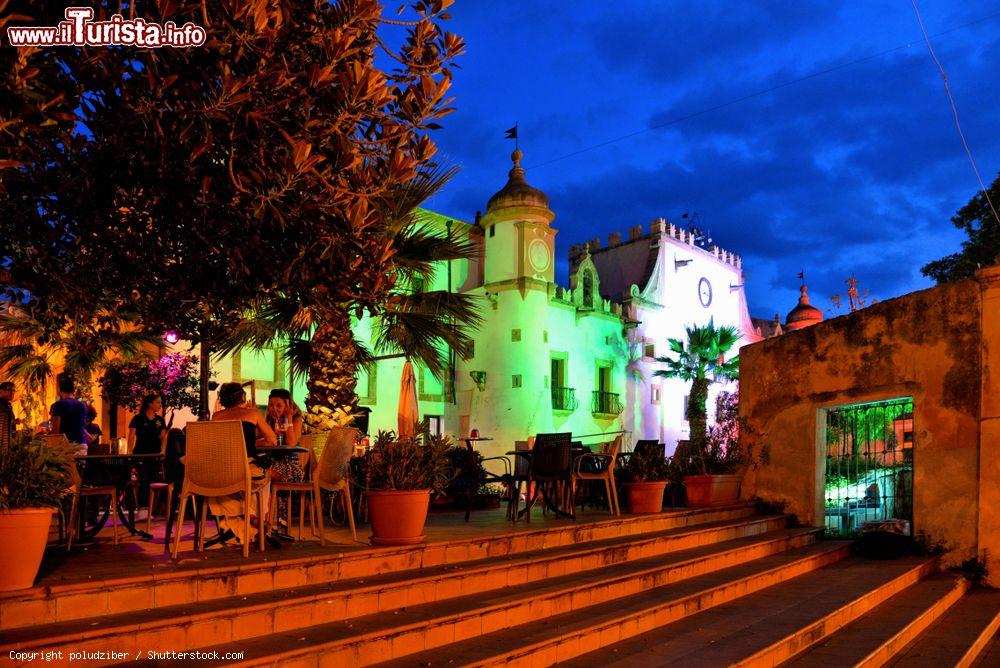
588,289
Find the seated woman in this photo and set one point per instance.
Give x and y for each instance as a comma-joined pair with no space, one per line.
234,407
284,417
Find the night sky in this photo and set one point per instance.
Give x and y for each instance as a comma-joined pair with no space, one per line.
855,171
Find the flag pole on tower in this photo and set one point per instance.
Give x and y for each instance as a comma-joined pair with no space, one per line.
512,134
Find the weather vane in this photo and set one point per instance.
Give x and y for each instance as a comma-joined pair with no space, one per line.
512,134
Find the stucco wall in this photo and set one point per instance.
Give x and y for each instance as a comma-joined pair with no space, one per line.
927,345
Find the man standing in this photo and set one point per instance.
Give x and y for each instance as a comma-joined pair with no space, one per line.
7,419
69,414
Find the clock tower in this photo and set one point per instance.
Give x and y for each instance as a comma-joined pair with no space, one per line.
520,244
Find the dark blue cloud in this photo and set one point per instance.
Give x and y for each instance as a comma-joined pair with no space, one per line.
856,171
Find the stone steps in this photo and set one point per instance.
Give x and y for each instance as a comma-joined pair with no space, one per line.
472,624
877,637
731,621
178,585
966,635
643,558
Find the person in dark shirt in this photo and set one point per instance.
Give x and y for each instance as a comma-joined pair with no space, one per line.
147,435
8,422
147,432
68,415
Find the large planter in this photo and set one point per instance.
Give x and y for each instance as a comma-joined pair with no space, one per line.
709,491
645,497
398,517
23,533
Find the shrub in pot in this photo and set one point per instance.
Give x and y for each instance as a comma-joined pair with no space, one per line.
401,474
713,474
644,476
467,478
33,480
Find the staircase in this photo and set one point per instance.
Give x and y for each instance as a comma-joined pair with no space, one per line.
695,587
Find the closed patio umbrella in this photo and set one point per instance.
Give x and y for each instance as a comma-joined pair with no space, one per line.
408,412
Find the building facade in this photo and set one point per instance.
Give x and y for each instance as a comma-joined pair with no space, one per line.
554,358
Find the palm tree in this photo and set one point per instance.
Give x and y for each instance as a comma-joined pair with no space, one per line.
702,361
30,353
420,325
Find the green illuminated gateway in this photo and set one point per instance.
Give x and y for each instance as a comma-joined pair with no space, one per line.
550,358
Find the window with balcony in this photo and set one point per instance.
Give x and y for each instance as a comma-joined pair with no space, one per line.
563,398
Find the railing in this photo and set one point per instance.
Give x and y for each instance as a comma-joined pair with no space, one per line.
607,403
869,464
564,399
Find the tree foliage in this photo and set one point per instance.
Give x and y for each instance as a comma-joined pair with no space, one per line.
173,376
982,246
185,184
701,360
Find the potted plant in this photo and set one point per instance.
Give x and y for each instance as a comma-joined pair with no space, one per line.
714,473
644,476
401,474
33,480
702,361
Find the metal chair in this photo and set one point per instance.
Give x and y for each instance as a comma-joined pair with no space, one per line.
216,464
551,464
157,486
80,491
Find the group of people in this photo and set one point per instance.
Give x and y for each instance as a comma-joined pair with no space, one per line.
68,415
283,417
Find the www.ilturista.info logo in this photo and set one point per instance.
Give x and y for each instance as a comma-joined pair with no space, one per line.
79,29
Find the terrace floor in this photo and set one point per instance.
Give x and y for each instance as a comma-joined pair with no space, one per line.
135,556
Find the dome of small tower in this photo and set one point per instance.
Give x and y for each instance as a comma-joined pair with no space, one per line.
517,192
804,314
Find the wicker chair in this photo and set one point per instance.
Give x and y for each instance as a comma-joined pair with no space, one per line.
332,472
307,491
80,491
602,468
216,464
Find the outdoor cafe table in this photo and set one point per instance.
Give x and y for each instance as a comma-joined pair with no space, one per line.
117,469
575,451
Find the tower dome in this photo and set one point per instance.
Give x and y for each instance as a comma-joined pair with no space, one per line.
517,192
804,314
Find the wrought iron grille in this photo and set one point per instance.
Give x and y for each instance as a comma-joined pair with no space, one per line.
564,399
869,464
607,403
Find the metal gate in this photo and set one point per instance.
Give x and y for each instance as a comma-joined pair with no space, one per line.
869,464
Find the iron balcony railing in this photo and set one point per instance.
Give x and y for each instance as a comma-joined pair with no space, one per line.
564,399
607,403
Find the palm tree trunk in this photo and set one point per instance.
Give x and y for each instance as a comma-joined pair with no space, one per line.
331,399
697,417
204,376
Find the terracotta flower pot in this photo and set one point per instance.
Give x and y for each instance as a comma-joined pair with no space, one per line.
645,497
709,491
23,533
398,517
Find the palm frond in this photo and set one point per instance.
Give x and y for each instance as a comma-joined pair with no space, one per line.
419,248
399,208
298,354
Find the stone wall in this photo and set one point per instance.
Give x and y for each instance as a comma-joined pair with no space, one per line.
929,345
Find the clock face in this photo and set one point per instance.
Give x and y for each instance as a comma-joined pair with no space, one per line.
705,292
538,255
